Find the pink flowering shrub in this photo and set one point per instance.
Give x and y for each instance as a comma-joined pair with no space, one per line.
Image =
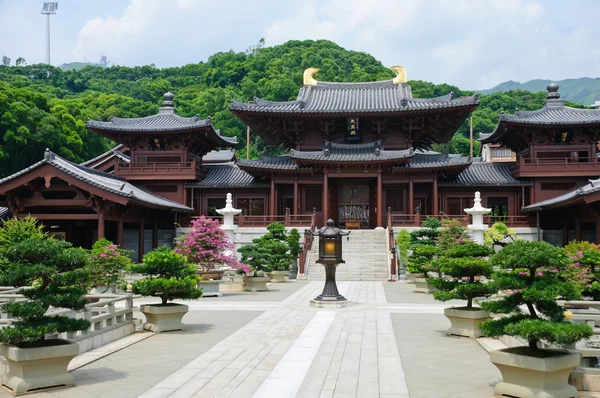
107,264
583,269
207,246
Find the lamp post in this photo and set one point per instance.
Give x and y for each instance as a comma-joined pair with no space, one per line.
330,255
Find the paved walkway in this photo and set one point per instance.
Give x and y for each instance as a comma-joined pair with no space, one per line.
390,343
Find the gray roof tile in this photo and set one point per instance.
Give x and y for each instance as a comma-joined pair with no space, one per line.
4,213
222,156
430,160
283,162
104,181
368,152
228,175
485,173
111,153
354,98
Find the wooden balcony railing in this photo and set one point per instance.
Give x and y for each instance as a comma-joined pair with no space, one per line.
534,167
289,220
415,220
150,171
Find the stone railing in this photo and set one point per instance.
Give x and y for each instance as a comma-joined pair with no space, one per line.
107,322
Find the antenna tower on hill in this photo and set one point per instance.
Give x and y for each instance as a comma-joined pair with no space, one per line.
47,10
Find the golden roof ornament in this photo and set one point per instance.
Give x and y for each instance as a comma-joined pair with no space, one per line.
400,74
309,80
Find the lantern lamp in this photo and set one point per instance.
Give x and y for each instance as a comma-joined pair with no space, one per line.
330,255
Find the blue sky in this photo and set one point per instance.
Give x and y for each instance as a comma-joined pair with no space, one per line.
474,44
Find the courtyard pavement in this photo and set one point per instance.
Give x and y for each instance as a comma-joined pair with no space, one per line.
390,343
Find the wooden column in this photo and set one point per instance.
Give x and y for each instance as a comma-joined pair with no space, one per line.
325,196
120,233
379,200
597,229
155,235
296,210
100,225
565,233
434,199
577,226
411,197
272,200
141,241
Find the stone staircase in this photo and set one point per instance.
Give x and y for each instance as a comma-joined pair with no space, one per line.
365,255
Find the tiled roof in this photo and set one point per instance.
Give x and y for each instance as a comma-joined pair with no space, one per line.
4,213
425,160
222,156
354,98
283,162
100,159
565,198
228,175
368,152
485,173
104,181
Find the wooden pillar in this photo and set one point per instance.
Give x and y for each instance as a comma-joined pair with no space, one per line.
565,233
272,200
379,200
141,241
325,196
296,210
155,235
120,233
597,229
100,225
411,197
577,226
531,194
434,198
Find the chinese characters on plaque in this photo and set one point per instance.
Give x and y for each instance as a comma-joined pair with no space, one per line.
352,133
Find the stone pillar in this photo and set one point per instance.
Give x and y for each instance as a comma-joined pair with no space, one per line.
477,227
100,225
379,201
228,213
325,197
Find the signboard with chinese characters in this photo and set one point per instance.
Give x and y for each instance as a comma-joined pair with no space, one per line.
353,132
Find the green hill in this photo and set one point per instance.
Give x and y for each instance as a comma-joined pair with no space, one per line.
585,90
76,65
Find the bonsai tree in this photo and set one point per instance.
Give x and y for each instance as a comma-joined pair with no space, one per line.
268,252
107,263
403,245
422,243
293,241
207,246
464,262
168,276
51,273
452,232
498,235
427,234
529,275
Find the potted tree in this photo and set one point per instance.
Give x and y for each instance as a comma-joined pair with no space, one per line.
106,265
466,263
168,277
293,241
422,244
207,246
529,276
52,274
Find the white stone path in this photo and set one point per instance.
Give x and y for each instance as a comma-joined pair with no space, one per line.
294,350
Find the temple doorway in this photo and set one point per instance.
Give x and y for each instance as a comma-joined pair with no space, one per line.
354,207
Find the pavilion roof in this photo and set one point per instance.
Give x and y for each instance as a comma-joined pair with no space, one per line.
554,113
228,175
371,152
114,153
166,121
104,181
485,173
429,160
282,163
566,198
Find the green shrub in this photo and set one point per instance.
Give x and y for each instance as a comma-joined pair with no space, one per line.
167,276
498,234
55,275
529,275
270,251
107,263
403,245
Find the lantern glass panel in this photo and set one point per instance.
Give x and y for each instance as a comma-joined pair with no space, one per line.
330,247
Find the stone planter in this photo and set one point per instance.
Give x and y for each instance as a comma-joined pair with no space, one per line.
255,283
413,277
421,286
294,269
210,288
526,376
464,322
278,276
40,367
163,318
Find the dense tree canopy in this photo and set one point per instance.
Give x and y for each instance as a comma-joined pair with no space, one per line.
43,106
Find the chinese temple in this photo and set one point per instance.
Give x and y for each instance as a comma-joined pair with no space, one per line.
359,153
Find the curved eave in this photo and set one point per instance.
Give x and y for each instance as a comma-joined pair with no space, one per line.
265,170
351,163
439,169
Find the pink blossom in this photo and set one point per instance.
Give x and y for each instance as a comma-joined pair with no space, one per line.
102,254
523,273
554,271
539,274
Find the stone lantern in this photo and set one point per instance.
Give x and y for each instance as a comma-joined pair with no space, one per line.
330,255
477,227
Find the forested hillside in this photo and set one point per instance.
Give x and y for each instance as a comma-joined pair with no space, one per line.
42,106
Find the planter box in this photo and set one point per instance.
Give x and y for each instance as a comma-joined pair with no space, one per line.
527,376
278,276
465,322
40,367
413,277
210,288
255,283
163,318
421,286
